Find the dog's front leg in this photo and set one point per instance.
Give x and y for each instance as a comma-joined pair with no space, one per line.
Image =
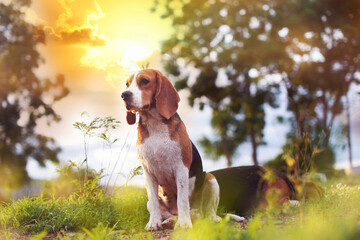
182,184
153,203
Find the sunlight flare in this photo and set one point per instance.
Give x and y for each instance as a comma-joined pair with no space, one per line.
118,58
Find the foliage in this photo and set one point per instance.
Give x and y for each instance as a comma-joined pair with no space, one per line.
85,182
326,52
240,52
99,127
24,98
303,155
230,61
134,172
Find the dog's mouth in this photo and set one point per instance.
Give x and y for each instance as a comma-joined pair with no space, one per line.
134,109
130,107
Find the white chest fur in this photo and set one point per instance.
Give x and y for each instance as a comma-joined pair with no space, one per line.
158,154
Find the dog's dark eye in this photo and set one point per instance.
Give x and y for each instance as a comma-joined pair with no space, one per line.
127,84
144,81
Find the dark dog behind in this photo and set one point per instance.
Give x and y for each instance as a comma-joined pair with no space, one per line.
243,189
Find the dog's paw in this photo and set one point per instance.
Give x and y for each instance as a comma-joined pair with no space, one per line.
195,214
241,220
168,223
181,223
215,218
153,225
236,218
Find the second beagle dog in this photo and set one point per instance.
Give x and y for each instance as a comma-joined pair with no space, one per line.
244,189
173,172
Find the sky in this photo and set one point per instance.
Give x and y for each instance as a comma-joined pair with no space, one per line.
96,45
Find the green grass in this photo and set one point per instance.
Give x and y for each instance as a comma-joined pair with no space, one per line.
337,216
124,215
74,206
126,212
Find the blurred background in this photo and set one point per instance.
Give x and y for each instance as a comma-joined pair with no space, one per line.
268,82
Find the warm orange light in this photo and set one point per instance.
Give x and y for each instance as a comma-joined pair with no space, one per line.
118,57
136,52
112,35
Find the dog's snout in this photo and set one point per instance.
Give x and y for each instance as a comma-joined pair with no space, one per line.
126,95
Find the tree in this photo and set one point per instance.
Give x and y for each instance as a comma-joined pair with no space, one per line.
232,46
326,48
324,41
313,46
24,98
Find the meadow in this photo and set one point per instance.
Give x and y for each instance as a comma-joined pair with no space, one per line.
93,214
76,206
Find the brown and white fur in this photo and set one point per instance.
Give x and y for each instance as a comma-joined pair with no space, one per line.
172,166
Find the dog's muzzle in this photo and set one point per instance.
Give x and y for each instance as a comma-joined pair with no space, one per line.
126,95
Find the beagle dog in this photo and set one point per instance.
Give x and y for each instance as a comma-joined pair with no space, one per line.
173,171
174,177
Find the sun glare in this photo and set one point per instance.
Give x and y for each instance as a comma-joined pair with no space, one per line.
136,52
118,57
117,36
115,51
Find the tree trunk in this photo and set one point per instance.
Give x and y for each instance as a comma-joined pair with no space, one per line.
254,146
227,154
325,110
348,132
296,110
228,161
331,122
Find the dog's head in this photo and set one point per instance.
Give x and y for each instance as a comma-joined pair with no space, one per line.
147,89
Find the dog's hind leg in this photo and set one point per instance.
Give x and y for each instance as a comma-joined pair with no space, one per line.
210,198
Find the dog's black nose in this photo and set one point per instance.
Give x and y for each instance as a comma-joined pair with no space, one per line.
126,95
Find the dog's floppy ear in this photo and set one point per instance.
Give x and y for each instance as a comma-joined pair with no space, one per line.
166,97
130,117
